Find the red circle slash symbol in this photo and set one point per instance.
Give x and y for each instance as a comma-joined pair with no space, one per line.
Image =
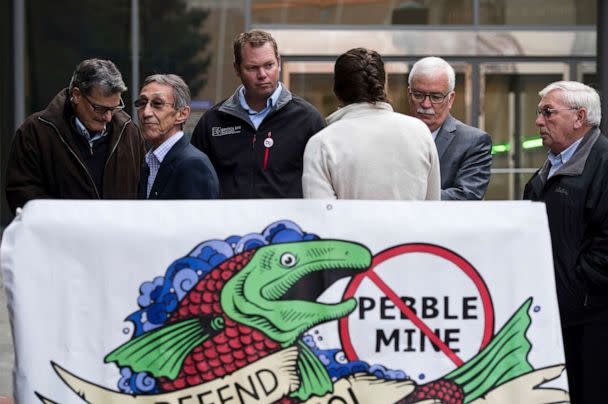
457,260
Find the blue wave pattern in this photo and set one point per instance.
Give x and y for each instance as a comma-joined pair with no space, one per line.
338,366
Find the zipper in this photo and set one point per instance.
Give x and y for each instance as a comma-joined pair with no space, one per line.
117,141
253,164
73,154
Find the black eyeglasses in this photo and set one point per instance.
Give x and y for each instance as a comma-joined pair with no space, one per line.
155,103
102,109
436,98
547,112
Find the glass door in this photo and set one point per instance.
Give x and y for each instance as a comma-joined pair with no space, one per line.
509,97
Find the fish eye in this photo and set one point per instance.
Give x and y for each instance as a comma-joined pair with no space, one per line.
288,260
340,358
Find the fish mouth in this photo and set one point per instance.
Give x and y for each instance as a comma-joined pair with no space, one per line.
312,285
321,268
276,291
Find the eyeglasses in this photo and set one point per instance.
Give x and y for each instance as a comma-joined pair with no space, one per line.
155,103
436,98
102,109
547,112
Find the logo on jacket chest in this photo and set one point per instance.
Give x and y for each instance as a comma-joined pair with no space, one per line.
230,130
561,190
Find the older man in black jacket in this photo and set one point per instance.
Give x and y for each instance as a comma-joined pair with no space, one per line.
573,183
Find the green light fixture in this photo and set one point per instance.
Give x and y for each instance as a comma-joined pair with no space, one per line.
532,142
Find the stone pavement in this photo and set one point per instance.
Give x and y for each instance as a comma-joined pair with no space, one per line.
6,348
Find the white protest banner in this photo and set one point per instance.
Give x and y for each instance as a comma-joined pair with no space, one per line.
283,301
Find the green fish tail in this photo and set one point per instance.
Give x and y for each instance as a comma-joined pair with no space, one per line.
314,377
503,359
162,352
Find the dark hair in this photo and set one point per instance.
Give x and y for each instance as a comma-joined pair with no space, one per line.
97,73
359,77
181,92
256,38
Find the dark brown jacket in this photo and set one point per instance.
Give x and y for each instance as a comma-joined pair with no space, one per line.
44,161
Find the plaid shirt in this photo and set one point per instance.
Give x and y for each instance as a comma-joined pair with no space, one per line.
155,157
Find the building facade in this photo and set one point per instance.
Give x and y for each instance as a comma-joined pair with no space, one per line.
504,52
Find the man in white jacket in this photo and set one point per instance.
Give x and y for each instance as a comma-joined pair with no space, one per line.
368,151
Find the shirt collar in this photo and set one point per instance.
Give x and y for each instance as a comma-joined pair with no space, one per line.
161,151
565,155
270,102
85,132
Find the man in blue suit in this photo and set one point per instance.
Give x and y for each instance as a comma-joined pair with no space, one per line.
464,151
174,168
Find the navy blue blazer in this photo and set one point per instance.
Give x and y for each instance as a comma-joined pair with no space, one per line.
465,157
185,173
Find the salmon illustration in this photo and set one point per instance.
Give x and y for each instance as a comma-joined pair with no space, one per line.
246,308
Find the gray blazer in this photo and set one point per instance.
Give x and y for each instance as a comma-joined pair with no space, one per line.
465,156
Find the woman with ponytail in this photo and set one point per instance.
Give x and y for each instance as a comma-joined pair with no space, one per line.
368,151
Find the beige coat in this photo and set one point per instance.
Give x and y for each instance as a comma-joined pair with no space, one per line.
368,151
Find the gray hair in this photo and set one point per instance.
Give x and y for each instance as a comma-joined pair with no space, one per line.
578,95
181,92
433,66
99,73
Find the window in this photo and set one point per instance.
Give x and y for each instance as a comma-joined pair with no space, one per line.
509,104
371,12
538,12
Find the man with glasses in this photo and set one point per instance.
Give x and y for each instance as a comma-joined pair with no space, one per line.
464,151
573,184
82,146
256,138
174,168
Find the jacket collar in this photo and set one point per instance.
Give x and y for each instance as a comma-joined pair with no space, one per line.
446,134
232,105
576,164
358,109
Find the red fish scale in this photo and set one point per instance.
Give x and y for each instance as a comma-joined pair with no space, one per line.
236,346
445,390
